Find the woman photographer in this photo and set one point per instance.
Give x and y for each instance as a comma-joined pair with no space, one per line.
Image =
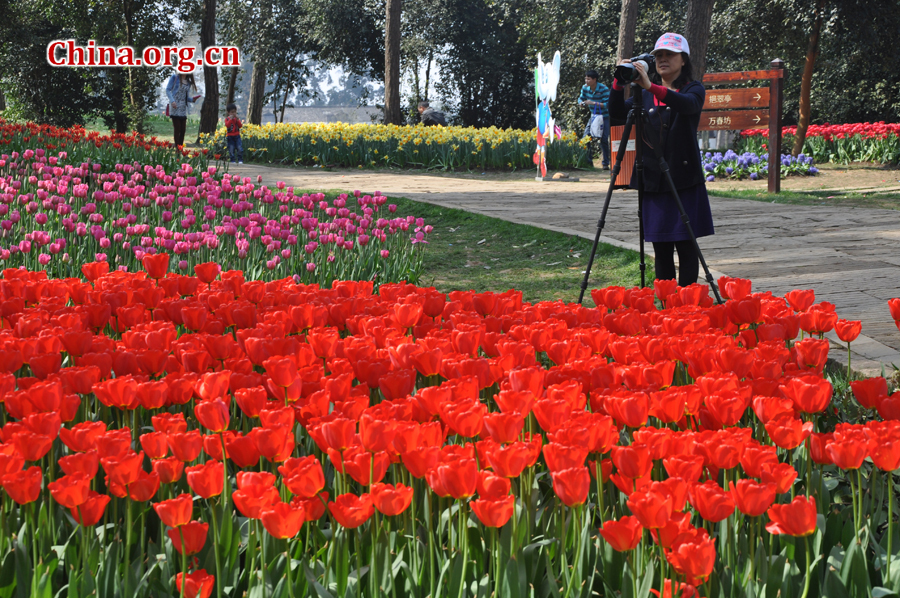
671,86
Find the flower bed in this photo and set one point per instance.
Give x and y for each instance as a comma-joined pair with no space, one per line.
56,214
289,440
361,145
857,142
78,146
730,165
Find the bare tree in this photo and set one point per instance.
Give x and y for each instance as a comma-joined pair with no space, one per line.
392,113
812,53
696,31
209,111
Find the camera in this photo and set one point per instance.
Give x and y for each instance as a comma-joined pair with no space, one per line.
626,73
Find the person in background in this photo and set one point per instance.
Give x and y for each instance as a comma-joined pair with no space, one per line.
595,96
180,90
430,116
671,89
233,135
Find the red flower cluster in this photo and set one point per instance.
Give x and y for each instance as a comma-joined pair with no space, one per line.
466,392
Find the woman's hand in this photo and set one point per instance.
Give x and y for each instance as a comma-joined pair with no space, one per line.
643,80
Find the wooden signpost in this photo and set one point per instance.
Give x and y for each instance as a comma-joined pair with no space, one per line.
733,109
743,108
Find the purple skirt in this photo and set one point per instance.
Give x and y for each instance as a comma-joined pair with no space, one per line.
662,219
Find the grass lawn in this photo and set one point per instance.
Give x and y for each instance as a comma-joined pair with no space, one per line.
470,251
847,199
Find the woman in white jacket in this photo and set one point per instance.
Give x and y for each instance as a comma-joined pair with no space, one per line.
180,90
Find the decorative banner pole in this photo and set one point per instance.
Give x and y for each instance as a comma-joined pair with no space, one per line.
546,79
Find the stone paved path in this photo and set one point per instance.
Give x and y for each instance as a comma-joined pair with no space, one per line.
850,257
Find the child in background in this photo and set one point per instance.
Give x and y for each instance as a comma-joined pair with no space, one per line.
233,135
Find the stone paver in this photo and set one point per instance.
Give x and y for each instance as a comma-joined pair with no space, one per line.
849,256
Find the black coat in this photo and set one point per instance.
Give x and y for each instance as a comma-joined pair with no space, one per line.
681,150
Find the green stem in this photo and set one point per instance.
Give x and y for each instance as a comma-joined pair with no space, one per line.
465,547
126,591
889,475
808,568
216,551
85,564
358,563
262,551
183,563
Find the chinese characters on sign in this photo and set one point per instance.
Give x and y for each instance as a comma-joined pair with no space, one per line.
719,99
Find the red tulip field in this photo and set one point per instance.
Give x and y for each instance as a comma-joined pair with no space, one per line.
169,435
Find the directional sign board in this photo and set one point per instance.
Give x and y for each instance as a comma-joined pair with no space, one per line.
737,119
729,99
748,108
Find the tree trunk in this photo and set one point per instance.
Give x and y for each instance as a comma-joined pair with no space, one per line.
812,53
258,78
133,110
232,83
627,24
428,72
209,111
696,31
392,114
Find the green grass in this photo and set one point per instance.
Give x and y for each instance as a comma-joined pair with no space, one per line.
838,199
470,251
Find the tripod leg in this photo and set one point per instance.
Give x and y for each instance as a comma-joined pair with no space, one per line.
620,155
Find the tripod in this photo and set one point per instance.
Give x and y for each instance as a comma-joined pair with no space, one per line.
638,117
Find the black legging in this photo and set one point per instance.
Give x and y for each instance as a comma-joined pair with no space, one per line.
688,261
180,125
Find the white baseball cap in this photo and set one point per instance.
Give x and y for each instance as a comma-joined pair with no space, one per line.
671,42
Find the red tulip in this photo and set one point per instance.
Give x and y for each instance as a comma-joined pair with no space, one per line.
206,480
303,476
752,499
23,486
459,478
494,512
198,584
624,534
870,392
391,500
652,509
194,534
71,490
175,512
213,415
350,510
797,518
156,265
283,520
848,330
572,485
713,503
90,512
252,499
